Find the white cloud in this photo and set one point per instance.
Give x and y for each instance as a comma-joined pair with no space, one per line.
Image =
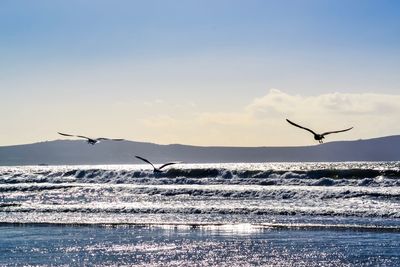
262,121
371,114
345,103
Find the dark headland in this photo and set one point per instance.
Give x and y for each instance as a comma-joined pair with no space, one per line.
60,152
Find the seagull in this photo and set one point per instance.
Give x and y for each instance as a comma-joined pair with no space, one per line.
89,140
318,137
154,168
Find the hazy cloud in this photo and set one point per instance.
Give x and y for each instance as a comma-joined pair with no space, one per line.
222,118
160,121
262,121
154,102
345,103
371,114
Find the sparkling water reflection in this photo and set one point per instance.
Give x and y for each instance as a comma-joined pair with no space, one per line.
228,245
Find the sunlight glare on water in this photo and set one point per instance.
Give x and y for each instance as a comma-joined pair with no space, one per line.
275,214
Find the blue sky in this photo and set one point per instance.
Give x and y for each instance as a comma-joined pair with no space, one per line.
154,70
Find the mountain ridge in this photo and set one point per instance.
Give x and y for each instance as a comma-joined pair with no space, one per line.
76,152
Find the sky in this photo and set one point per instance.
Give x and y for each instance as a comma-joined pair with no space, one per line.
199,72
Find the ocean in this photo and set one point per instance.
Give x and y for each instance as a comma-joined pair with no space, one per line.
272,214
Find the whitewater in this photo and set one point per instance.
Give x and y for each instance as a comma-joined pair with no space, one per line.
357,193
273,214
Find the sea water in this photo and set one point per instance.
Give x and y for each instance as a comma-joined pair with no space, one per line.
280,214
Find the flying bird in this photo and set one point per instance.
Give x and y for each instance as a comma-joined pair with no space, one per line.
318,137
155,169
91,141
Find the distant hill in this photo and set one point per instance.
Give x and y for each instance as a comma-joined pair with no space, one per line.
78,152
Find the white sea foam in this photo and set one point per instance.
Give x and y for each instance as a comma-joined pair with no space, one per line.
209,192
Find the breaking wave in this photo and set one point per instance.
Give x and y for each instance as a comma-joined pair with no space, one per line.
211,210
360,190
313,177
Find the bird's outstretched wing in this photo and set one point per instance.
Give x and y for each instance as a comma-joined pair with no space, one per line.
64,134
304,128
82,136
145,160
167,164
345,130
102,139
109,139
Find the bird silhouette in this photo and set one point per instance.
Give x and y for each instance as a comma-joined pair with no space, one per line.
317,136
155,169
90,140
